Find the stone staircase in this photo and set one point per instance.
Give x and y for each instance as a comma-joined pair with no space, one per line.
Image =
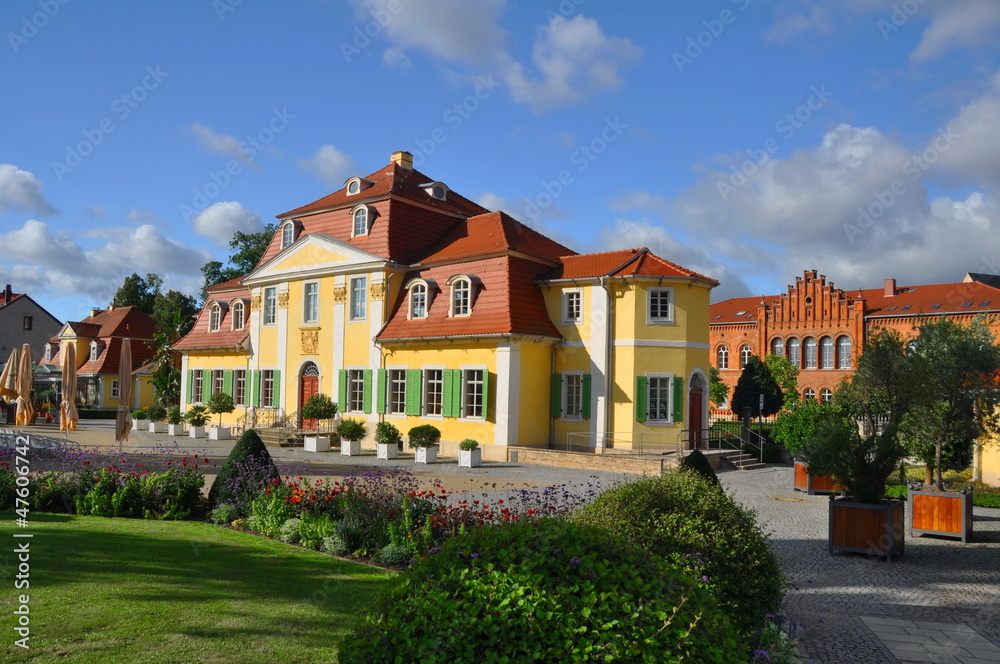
742,461
280,437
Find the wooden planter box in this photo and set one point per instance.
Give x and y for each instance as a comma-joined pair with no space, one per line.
316,444
387,450
196,432
470,458
175,429
811,484
157,427
427,454
944,513
350,447
219,433
876,530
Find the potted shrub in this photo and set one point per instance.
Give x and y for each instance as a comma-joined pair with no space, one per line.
470,455
175,421
351,432
220,403
318,407
197,417
424,440
861,447
387,439
794,429
156,416
140,420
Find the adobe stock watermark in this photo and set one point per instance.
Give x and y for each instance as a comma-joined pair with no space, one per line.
22,543
696,44
455,116
223,7
581,158
913,168
786,127
566,9
371,29
32,24
251,146
901,14
121,108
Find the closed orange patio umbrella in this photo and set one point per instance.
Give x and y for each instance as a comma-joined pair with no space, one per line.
25,412
68,416
8,379
123,420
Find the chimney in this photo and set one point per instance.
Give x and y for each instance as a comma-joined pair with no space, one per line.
94,311
7,293
403,158
890,287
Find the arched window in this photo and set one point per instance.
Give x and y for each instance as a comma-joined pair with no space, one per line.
778,347
214,317
48,352
794,352
93,351
287,234
809,394
461,296
745,354
826,353
810,345
418,301
826,395
237,313
722,358
844,353
361,221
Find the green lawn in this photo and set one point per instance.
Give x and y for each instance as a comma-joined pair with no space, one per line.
164,592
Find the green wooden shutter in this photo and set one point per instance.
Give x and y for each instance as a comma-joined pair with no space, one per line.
486,394
256,387
640,398
456,393
342,390
381,396
276,402
555,395
206,385
414,382
585,408
190,386
368,391
447,390
678,410
227,382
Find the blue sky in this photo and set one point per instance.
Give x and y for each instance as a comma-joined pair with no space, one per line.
749,140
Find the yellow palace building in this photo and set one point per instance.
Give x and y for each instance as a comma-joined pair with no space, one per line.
406,302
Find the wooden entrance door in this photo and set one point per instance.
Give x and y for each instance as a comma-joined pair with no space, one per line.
308,387
695,404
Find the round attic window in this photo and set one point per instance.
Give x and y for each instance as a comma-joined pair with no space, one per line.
809,300
354,187
437,191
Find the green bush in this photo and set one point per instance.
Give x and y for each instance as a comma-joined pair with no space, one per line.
424,435
543,591
197,415
335,545
319,407
223,515
697,462
270,510
247,470
693,524
140,415
289,531
314,529
351,430
468,445
156,413
393,554
895,491
174,415
386,433
985,499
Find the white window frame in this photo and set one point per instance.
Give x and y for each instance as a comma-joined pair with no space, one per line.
358,302
722,357
660,320
778,347
218,381
808,394
353,187
827,353
214,317
240,387
825,395
267,388
797,343
48,352
93,351
466,370
455,291
567,314
425,392
198,387
419,288
810,353
360,210
395,376
650,420
356,378
567,416
115,388
746,352
844,359
237,315
310,300
287,234
269,313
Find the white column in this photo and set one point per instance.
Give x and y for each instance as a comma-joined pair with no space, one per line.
184,379
283,332
508,412
376,319
598,359
339,316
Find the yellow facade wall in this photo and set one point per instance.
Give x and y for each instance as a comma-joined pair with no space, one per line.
989,463
533,395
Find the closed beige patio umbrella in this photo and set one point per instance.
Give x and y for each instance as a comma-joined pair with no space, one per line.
8,379
68,416
25,412
123,420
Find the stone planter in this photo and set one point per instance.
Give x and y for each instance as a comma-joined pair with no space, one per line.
944,513
219,433
175,429
470,458
350,447
196,432
157,427
316,444
139,425
387,450
876,530
427,454
812,484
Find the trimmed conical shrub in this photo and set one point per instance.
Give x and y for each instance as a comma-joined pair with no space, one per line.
247,469
697,462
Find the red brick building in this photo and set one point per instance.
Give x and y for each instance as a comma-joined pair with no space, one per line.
822,329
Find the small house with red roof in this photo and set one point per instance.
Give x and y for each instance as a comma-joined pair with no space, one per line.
408,303
24,321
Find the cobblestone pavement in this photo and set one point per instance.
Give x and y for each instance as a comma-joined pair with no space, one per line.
847,602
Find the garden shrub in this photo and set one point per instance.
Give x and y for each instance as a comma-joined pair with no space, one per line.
546,591
393,554
223,515
693,524
156,413
335,545
351,430
270,510
424,435
289,531
895,491
697,462
247,470
314,528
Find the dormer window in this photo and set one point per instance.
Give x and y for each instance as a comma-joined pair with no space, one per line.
287,234
214,317
357,185
421,292
353,187
361,216
237,318
93,351
461,295
438,190
48,352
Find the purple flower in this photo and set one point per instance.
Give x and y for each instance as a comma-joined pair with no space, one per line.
474,555
769,616
760,654
434,549
574,561
704,578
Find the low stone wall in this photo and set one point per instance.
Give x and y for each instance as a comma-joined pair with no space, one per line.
633,465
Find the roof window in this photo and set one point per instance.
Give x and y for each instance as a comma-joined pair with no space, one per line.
438,190
985,303
966,304
935,306
357,185
740,313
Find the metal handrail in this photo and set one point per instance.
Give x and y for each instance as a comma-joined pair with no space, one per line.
639,443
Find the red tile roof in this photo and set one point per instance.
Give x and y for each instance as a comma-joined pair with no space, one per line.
225,337
4,300
622,263
737,310
494,233
108,357
227,285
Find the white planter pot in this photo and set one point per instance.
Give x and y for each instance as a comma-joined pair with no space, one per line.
350,447
427,454
175,429
196,432
387,450
219,433
470,458
316,444
157,427
139,425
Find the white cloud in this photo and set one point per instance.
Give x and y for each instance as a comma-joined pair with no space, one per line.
219,221
144,216
330,165
394,58
958,24
22,190
817,19
220,143
638,200
574,59
96,212
976,128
